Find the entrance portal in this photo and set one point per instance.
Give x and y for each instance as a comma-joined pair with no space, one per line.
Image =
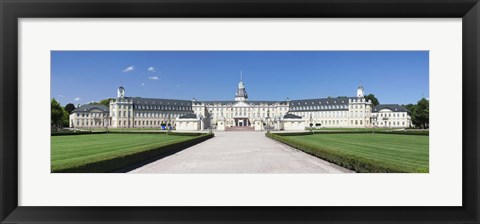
242,122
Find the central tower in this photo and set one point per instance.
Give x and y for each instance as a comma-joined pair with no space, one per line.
241,94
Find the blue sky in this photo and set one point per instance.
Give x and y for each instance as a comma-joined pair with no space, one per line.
80,77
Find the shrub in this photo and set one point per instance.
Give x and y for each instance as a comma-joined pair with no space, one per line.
77,133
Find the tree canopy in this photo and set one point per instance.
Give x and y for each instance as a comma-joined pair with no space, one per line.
69,108
419,113
372,97
57,113
105,102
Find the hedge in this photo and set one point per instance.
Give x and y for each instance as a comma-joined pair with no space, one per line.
426,133
161,133
77,133
129,132
124,161
353,132
292,133
351,162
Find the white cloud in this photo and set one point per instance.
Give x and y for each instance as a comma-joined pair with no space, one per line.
153,77
151,69
129,69
76,99
61,96
142,84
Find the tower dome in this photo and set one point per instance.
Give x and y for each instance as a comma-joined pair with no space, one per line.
121,92
360,91
241,94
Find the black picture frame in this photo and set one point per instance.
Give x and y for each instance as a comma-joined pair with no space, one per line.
12,10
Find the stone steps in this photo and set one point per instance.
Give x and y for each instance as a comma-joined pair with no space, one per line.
240,128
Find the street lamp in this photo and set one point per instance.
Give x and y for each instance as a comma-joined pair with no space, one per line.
277,119
201,122
311,124
268,119
210,119
168,124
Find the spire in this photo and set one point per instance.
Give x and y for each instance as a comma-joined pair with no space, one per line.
241,94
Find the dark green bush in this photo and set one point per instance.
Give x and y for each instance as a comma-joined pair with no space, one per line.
76,133
293,133
426,133
160,132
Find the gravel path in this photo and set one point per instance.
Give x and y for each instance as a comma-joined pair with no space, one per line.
240,152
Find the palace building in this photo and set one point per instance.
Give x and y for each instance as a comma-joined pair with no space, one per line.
240,113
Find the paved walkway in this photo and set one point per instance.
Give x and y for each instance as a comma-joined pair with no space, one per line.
240,152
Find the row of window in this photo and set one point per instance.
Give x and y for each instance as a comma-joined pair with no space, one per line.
162,107
145,123
245,114
392,114
154,123
91,115
158,114
390,123
90,123
323,107
324,114
238,109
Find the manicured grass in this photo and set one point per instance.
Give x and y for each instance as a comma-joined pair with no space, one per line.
74,153
352,129
373,130
366,152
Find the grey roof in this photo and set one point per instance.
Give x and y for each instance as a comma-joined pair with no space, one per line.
322,104
251,102
89,107
151,104
392,107
292,116
223,102
152,101
188,116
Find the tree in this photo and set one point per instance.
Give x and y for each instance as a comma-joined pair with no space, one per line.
57,113
421,113
65,119
106,102
410,107
372,97
69,108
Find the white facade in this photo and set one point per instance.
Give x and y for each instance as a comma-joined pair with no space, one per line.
293,124
339,112
188,124
89,116
390,116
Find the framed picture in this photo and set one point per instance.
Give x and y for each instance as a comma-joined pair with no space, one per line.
247,112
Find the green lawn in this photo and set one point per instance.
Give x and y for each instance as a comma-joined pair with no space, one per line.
127,130
77,150
395,152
